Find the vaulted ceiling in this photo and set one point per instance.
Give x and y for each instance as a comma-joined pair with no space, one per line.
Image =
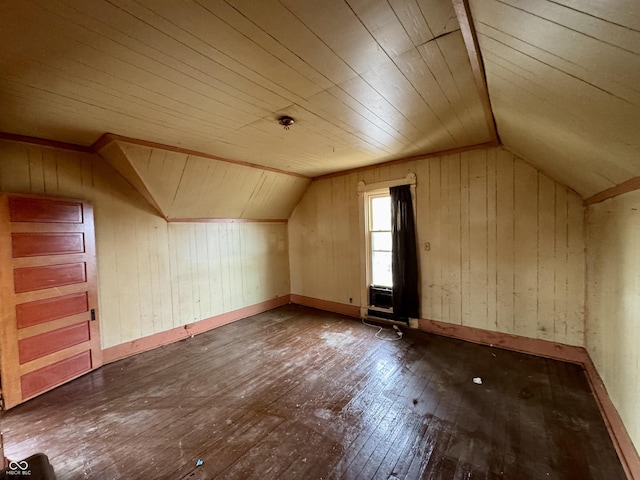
564,83
367,81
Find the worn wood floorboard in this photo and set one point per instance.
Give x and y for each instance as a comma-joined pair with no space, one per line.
297,393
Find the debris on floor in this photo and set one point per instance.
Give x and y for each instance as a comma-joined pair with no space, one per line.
477,380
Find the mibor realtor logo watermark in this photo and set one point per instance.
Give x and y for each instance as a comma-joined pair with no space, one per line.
20,468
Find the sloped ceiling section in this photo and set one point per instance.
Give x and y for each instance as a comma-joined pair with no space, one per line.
183,186
564,83
367,81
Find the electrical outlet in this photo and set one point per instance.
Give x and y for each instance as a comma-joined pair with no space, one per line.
427,246
350,300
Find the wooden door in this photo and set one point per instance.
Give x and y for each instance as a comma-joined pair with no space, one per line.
48,293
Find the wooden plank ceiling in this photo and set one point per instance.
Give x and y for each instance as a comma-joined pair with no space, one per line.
564,83
366,81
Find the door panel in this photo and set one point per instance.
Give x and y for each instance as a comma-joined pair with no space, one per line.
48,291
36,278
44,210
42,311
50,342
37,244
45,378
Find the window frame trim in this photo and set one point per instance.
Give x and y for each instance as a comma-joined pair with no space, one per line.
365,192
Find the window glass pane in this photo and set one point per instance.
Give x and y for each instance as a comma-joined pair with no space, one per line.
381,241
381,213
381,269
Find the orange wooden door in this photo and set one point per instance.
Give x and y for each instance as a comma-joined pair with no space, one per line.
48,292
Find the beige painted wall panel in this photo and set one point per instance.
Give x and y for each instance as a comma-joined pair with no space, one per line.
465,240
203,284
214,256
526,253
445,295
560,274
433,277
185,261
492,252
219,267
15,174
342,198
613,302
423,232
36,169
302,240
478,239
325,267
352,272
481,212
576,270
452,225
325,240
152,276
546,256
505,228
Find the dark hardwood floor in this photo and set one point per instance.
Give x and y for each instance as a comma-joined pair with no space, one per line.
296,393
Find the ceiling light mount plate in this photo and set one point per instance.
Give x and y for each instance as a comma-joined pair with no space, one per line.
286,121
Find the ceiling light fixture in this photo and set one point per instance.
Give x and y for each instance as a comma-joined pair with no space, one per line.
286,122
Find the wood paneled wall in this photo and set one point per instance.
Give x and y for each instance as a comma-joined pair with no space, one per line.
613,302
153,276
506,244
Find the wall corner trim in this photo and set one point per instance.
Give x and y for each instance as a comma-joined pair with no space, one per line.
150,342
13,137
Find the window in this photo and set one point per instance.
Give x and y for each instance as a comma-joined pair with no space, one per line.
380,239
376,240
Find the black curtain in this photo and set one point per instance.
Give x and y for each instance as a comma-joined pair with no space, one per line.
404,264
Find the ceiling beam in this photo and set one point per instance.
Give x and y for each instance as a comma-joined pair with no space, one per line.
111,137
415,158
624,187
44,142
468,31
